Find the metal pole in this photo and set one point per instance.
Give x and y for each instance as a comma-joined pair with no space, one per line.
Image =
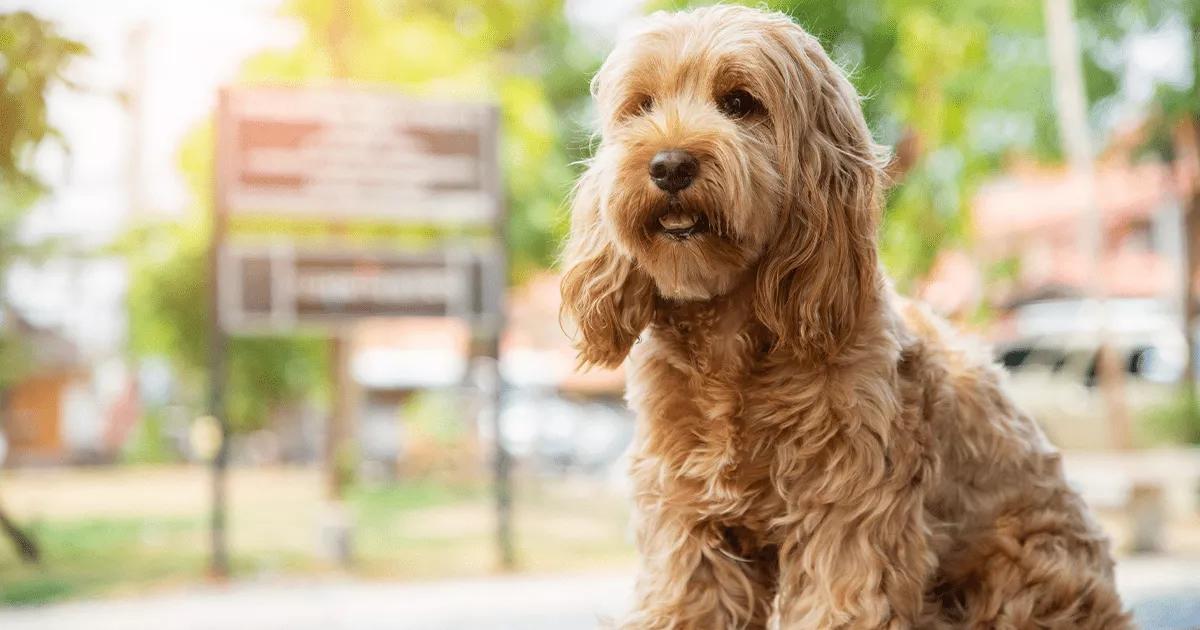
494,329
501,460
488,380
217,346
1071,100
504,533
336,530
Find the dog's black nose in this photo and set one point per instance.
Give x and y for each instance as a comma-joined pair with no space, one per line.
673,170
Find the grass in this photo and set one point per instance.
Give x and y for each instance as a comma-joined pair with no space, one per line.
82,557
145,537
424,532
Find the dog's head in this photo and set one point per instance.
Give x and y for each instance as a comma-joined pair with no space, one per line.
732,151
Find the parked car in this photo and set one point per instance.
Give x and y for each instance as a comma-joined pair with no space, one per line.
558,434
1053,367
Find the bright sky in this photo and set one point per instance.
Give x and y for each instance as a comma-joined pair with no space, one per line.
190,49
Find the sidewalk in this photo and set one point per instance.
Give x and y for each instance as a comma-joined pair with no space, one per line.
1164,592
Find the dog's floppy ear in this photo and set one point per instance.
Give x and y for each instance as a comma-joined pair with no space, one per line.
603,292
819,275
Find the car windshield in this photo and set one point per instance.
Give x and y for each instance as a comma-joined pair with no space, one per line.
1019,358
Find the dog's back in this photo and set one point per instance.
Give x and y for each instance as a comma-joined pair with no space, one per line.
1010,535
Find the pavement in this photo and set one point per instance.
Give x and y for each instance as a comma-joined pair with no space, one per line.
1164,593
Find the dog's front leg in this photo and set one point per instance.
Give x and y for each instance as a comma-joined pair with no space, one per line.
862,561
689,580
862,567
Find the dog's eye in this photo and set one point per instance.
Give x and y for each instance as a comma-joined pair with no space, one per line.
738,104
644,105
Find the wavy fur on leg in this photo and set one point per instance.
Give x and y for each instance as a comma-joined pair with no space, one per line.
812,450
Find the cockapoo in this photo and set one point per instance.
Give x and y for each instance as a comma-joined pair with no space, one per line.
812,450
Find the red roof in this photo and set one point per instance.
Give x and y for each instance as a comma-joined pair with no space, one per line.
1042,200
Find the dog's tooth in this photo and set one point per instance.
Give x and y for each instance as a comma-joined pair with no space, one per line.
675,221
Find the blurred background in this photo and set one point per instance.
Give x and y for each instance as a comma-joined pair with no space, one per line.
397,436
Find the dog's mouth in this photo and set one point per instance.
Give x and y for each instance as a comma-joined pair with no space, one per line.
679,223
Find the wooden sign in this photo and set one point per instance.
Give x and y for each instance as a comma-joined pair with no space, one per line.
345,154
278,288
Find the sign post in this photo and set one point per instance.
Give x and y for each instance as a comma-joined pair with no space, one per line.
217,342
336,531
339,158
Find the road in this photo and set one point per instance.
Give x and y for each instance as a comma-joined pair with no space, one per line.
1164,592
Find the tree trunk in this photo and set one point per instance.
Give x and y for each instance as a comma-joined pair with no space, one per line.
1187,156
26,547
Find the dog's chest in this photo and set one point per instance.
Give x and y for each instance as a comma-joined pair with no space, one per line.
728,425
713,429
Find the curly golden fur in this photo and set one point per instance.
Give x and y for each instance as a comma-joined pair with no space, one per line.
812,451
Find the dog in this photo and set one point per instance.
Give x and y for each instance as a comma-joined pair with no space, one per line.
812,450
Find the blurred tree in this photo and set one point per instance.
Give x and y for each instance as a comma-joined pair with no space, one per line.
518,53
168,312
1172,132
33,59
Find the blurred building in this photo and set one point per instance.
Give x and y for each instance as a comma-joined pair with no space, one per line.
1027,228
537,348
553,412
61,408
1032,216
560,417
1028,266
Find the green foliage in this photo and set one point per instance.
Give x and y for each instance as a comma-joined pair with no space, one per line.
168,304
168,314
167,297
33,59
1173,103
1174,421
149,444
14,358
